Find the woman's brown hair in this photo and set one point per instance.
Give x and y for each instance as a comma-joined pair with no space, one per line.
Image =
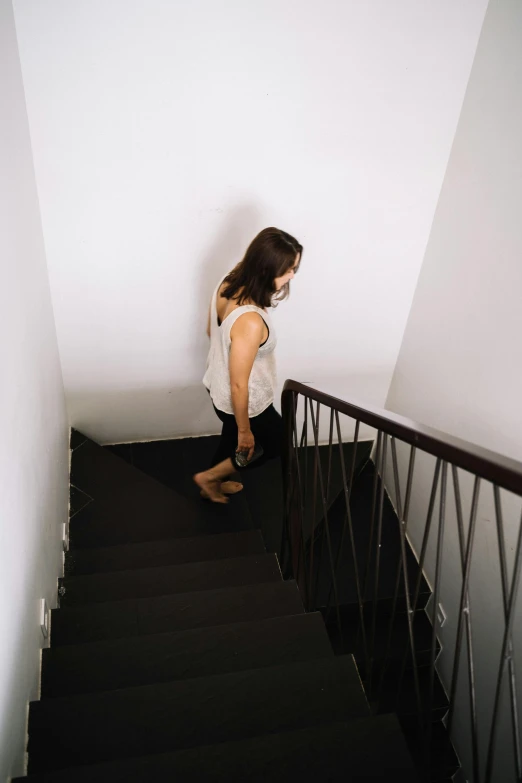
271,254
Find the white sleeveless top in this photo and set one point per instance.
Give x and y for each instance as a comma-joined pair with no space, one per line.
262,381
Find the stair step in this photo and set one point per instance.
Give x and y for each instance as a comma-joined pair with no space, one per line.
443,761
164,552
167,580
122,663
336,752
128,506
174,462
405,704
158,718
141,616
395,646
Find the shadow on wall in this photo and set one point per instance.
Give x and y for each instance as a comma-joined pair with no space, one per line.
142,414
225,250
179,404
170,401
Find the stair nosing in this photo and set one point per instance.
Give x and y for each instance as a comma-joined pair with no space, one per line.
253,532
286,590
334,660
191,679
101,574
344,725
81,607
48,651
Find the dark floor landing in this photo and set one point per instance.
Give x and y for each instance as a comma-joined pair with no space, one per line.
173,463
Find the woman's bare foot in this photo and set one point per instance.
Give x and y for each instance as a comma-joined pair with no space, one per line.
231,487
210,488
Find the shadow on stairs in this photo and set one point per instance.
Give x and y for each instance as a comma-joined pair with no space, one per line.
179,653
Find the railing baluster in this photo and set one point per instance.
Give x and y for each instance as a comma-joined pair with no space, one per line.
297,481
299,449
354,454
301,560
378,556
290,486
426,534
436,592
327,534
330,445
425,538
398,503
464,619
511,660
347,488
328,479
308,403
469,641
293,471
317,466
403,569
305,421
397,484
372,515
510,617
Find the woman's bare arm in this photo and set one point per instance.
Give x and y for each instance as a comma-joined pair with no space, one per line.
246,336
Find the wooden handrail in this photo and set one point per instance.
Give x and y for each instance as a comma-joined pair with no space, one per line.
500,470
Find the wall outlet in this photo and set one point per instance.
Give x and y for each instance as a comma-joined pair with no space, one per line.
65,536
44,617
441,616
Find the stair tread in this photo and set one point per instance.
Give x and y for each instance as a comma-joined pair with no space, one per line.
129,506
141,660
157,718
174,551
337,752
181,611
169,579
179,655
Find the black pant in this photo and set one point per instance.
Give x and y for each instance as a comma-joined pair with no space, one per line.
267,429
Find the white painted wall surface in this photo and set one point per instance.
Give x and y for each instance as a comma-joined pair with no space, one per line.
459,368
33,424
167,134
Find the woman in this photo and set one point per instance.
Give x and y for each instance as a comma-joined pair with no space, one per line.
241,375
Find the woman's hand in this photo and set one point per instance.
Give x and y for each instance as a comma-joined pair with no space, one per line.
246,442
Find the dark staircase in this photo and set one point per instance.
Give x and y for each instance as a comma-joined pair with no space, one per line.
178,652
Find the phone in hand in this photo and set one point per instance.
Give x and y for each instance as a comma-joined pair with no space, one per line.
241,457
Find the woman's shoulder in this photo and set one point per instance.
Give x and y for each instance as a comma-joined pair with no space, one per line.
248,321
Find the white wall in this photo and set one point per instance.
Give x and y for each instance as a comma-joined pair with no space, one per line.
459,367
33,425
166,134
